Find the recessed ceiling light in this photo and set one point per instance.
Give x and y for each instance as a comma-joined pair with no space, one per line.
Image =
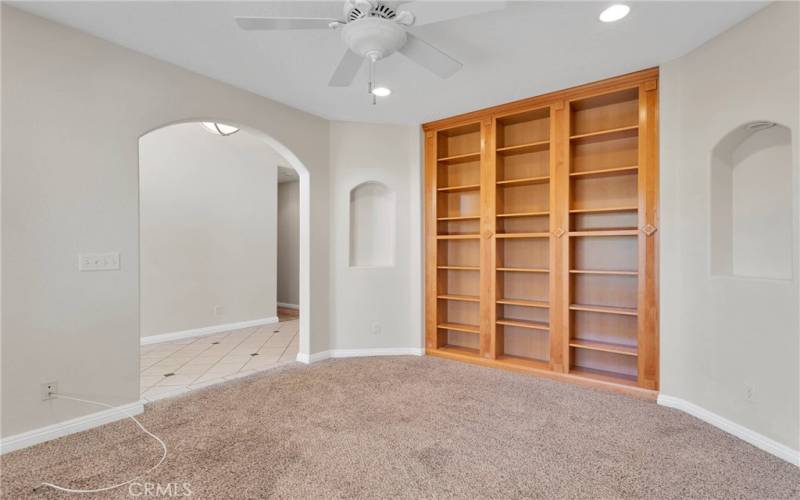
614,13
381,91
220,128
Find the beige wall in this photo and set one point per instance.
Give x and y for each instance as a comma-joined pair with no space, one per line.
288,251
377,307
208,229
728,344
74,107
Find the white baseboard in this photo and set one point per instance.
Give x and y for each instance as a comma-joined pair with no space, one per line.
289,306
42,434
312,358
206,330
758,440
359,353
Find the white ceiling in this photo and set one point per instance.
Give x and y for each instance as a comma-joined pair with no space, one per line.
527,49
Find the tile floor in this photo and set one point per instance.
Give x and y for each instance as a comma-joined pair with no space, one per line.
171,368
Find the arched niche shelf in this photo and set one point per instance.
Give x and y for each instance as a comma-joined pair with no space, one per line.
372,225
752,203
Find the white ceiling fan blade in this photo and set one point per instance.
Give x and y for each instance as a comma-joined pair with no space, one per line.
429,57
283,23
346,70
428,12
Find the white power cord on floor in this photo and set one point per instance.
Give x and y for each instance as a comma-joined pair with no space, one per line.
98,490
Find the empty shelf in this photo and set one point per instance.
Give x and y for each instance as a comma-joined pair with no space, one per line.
611,232
522,270
457,236
532,325
603,210
459,327
606,171
459,268
522,235
524,214
612,133
525,362
459,217
454,189
609,273
462,298
604,347
462,158
521,302
526,181
523,148
604,376
625,311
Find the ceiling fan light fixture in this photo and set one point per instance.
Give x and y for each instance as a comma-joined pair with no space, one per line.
220,128
382,91
614,13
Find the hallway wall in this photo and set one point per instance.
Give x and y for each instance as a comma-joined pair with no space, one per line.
288,250
208,229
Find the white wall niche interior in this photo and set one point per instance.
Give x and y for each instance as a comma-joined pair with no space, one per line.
372,225
752,203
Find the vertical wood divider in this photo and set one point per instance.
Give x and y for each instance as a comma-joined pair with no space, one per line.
557,236
564,167
487,243
648,236
431,273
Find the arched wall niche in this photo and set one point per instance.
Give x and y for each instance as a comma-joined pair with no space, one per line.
372,225
752,203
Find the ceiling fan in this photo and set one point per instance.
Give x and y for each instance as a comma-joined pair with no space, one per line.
375,29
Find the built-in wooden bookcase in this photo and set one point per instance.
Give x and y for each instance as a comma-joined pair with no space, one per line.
541,235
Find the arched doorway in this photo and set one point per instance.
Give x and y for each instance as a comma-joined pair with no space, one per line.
289,160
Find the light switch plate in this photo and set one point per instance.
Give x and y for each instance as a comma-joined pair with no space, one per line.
98,261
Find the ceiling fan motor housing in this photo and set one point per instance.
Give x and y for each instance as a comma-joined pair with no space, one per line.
373,37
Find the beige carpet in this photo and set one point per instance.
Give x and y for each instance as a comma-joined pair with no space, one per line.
409,427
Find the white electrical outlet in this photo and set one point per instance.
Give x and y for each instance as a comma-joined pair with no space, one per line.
48,388
218,311
376,328
749,392
98,261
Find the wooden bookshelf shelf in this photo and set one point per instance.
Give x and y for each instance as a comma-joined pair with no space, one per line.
522,235
455,189
624,311
458,218
527,181
604,376
601,232
522,270
603,210
459,268
554,202
460,298
460,158
606,171
523,214
523,148
524,303
459,327
531,325
603,272
604,347
611,133
457,236
459,351
519,361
